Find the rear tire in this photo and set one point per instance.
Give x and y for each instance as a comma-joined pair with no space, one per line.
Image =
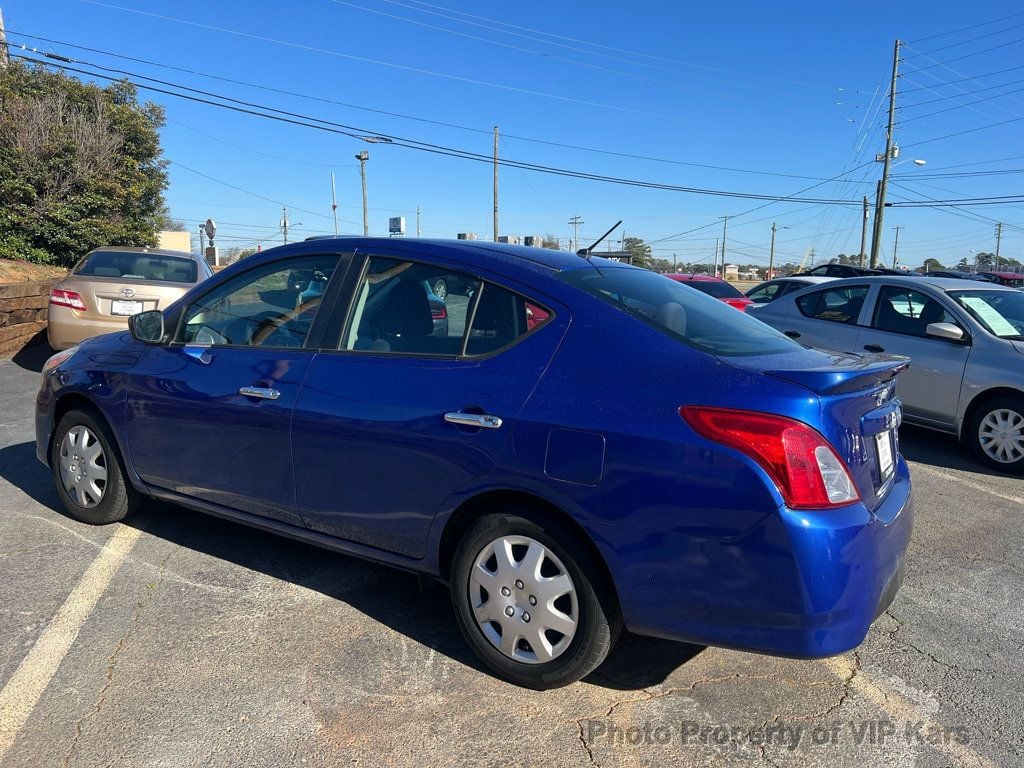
87,470
995,433
531,601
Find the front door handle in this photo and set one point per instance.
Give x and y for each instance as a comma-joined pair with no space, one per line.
874,348
483,420
263,393
200,352
792,334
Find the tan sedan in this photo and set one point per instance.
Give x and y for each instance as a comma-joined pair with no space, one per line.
109,285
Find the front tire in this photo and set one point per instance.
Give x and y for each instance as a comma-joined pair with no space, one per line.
996,433
87,471
531,602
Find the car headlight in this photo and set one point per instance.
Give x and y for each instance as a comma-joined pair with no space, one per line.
54,360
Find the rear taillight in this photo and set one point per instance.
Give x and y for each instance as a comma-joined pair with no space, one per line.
803,465
438,312
66,299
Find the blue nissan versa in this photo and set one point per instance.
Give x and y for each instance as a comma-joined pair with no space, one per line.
645,456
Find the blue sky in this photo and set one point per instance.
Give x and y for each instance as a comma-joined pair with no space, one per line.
789,88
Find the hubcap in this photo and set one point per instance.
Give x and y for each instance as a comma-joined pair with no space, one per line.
441,289
1001,435
83,467
523,599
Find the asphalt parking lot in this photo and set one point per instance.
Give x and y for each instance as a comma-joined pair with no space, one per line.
181,640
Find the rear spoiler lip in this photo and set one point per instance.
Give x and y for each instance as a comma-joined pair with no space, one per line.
873,371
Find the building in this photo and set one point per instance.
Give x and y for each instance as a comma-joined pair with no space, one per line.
466,236
174,241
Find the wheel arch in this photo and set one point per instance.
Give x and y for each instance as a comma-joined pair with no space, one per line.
979,401
475,507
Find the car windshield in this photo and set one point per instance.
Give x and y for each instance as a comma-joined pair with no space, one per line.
1001,313
147,267
695,319
714,288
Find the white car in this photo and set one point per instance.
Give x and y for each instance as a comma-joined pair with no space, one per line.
770,290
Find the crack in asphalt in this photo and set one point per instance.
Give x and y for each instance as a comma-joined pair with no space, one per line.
904,643
112,660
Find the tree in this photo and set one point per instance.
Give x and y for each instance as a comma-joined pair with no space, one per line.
638,251
550,241
931,264
80,166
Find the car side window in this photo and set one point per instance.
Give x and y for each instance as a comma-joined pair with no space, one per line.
909,312
269,306
766,293
501,317
395,309
837,305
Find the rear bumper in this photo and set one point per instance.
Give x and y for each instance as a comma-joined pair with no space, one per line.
65,327
799,584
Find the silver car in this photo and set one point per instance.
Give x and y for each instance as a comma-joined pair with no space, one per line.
965,341
772,290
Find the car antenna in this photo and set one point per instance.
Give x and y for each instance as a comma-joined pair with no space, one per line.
585,252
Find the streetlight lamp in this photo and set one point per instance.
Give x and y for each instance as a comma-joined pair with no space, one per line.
886,159
362,157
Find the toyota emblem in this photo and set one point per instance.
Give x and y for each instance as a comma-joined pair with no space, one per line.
127,293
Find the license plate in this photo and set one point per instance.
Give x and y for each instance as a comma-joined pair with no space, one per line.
883,444
125,307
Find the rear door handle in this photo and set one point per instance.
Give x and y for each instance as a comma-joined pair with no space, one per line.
874,348
792,334
262,393
483,420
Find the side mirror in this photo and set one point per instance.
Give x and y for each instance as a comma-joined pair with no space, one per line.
147,327
946,331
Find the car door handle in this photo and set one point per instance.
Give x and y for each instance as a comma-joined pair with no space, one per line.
483,420
263,393
792,334
200,352
874,348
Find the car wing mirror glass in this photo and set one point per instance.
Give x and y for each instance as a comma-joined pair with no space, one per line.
947,331
147,327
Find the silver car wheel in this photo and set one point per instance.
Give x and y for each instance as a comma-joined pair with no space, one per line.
1001,435
83,466
441,289
524,599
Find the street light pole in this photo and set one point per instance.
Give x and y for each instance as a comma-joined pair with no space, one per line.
864,232
771,255
725,223
895,247
876,235
362,157
334,204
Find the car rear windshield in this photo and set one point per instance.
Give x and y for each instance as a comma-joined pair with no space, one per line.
1001,313
714,288
691,317
148,267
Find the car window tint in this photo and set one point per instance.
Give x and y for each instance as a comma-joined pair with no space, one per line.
837,305
501,317
716,288
690,317
900,310
149,267
766,293
395,309
269,306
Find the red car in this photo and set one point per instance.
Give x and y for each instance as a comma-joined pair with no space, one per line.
1012,279
716,287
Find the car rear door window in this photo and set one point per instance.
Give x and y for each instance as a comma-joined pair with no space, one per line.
395,309
764,294
269,306
500,318
837,305
899,310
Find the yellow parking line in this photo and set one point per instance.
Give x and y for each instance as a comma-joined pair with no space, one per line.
23,691
901,709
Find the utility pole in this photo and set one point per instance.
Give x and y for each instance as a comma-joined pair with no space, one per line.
576,221
495,183
673,263
3,42
715,273
202,242
864,232
895,246
362,157
284,224
999,237
334,205
771,255
876,235
725,223
417,221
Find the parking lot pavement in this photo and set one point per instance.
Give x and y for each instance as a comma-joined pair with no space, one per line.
179,639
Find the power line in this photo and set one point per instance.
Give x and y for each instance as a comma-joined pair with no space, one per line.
293,118
965,56
961,80
961,133
957,106
967,29
387,113
968,40
960,95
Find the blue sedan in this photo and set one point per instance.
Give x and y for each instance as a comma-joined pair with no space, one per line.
643,456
